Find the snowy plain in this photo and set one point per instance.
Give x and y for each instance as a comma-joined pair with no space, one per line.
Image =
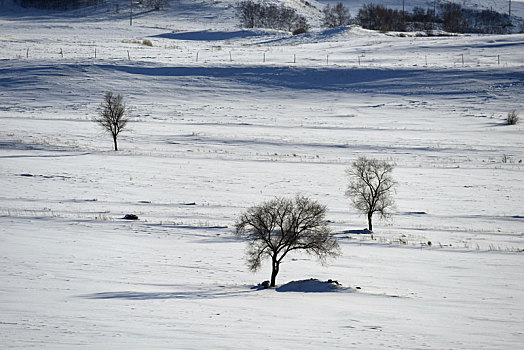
222,119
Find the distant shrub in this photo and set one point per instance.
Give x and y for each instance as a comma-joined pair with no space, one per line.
156,4
299,31
256,15
306,3
512,118
336,16
147,42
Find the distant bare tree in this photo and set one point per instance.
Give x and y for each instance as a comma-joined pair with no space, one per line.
279,226
113,117
371,186
336,16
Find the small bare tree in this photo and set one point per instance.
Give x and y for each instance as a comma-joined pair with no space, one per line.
277,227
113,117
371,186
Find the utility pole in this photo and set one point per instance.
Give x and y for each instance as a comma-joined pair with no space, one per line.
434,17
131,13
403,14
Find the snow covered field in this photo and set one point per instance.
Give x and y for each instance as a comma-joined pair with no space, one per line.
256,114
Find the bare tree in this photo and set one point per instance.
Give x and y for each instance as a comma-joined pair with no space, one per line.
113,117
277,227
336,16
371,186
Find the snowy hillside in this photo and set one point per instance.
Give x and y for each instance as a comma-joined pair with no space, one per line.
223,119
221,13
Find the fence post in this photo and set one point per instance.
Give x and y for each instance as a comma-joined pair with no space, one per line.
61,53
128,56
27,53
230,58
358,59
95,52
462,59
327,60
264,59
294,58
197,56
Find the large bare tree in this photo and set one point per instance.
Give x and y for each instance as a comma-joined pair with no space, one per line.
371,186
279,226
112,116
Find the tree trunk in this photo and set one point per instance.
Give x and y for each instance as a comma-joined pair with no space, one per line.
370,224
114,141
274,272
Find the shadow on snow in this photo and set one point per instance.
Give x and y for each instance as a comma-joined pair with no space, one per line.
209,35
220,292
447,82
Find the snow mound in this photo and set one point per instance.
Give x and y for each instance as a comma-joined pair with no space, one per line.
326,35
311,286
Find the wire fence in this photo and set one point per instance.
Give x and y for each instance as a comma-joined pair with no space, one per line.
281,57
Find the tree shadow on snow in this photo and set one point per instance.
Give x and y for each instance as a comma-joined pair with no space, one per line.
357,232
217,292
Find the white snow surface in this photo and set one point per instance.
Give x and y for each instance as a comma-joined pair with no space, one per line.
222,119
